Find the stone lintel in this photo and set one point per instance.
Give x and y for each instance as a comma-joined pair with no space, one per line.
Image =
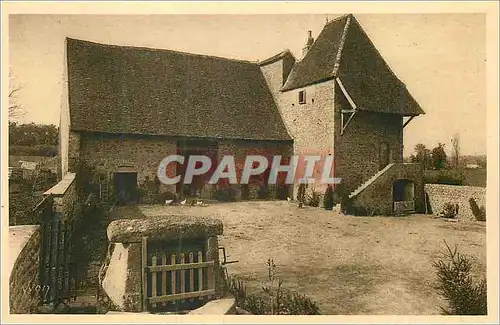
163,228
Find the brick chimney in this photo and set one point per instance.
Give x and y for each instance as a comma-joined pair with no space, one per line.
309,43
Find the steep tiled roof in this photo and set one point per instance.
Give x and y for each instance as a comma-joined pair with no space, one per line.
344,50
121,89
276,57
318,63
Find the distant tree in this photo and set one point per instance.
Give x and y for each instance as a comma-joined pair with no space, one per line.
455,150
481,161
15,109
422,155
439,157
32,134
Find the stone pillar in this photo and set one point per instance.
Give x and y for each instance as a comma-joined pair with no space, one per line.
121,275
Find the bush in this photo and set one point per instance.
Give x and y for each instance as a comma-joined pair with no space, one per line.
447,177
456,285
328,202
450,210
225,194
33,150
313,199
301,194
479,213
297,304
274,300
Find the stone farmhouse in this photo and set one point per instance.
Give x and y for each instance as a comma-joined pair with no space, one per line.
126,108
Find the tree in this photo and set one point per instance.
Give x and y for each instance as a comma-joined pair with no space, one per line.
422,155
455,150
15,109
439,157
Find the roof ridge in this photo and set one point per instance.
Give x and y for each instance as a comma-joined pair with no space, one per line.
274,57
152,49
336,20
339,18
341,45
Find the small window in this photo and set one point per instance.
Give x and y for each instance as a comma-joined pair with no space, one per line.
302,97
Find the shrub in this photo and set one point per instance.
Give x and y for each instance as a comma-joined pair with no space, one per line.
456,285
225,194
298,304
328,201
301,194
450,210
33,150
479,213
274,300
447,177
313,199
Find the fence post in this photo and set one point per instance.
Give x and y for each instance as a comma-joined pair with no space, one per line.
144,258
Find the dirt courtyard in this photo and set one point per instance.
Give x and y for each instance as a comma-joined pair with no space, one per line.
348,265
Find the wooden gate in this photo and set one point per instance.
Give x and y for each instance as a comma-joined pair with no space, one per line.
55,272
175,279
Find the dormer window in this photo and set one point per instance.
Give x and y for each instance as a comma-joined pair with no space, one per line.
302,97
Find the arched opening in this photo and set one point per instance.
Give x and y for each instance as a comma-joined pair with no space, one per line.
403,196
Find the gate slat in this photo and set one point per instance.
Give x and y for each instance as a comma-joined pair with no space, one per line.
183,275
144,258
191,273
164,276
200,272
172,274
153,280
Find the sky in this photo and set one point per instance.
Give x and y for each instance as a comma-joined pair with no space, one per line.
440,57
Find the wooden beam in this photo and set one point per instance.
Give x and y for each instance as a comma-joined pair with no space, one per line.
179,296
409,120
176,267
144,264
346,94
344,126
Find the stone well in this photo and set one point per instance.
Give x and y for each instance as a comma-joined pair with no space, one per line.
138,246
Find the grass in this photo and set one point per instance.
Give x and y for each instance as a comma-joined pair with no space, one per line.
348,265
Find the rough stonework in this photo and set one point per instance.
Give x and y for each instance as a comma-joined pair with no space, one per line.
121,275
163,228
122,278
24,250
65,197
377,198
439,195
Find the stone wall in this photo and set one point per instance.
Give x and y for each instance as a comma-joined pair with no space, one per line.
242,149
65,197
439,195
24,251
121,275
378,197
105,154
357,150
310,124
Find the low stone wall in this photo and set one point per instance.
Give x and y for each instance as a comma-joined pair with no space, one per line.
439,195
24,251
65,196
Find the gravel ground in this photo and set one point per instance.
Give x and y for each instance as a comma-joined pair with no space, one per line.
348,265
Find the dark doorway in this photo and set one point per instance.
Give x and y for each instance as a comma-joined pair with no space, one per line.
403,195
126,188
403,190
